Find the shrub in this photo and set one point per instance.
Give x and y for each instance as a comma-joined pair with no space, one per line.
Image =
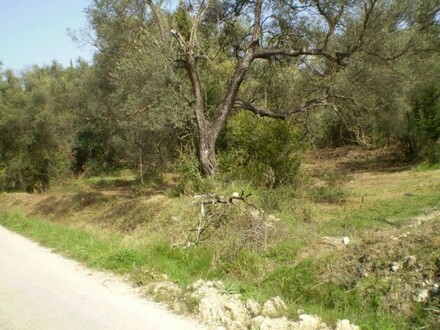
190,177
426,112
263,150
424,122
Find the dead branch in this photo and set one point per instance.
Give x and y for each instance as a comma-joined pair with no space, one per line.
206,220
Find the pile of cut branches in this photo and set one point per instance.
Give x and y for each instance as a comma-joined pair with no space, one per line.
235,212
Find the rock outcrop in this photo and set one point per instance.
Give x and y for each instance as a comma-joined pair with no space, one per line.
220,309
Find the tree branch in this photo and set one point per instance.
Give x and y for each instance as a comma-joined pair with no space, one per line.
331,21
195,26
208,218
266,53
191,68
368,13
157,15
277,114
256,33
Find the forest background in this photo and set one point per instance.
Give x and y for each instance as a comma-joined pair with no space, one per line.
243,141
233,89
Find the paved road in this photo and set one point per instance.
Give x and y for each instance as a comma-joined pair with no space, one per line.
40,290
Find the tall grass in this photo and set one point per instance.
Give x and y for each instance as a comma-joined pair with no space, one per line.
138,236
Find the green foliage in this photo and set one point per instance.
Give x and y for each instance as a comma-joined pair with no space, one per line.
426,121
294,253
264,151
36,127
182,21
431,154
142,106
131,108
190,177
95,151
426,109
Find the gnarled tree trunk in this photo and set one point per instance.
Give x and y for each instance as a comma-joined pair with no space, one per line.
207,158
210,128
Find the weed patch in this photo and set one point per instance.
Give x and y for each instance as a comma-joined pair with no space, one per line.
293,250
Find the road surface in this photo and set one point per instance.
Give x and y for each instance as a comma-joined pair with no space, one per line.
40,290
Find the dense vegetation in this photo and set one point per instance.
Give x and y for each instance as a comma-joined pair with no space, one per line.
170,85
226,97
293,250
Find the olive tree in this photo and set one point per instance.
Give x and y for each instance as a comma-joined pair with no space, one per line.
223,46
321,39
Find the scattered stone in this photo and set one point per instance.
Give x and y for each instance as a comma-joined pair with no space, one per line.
158,277
421,295
395,266
345,325
281,323
310,322
201,285
274,307
219,308
253,307
256,215
256,322
273,218
346,241
428,282
180,307
164,291
435,288
336,242
410,261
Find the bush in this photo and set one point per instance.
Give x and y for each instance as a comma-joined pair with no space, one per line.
426,112
190,177
265,151
432,153
424,123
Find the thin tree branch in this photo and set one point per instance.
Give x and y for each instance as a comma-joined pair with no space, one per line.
266,53
158,16
277,114
331,21
195,26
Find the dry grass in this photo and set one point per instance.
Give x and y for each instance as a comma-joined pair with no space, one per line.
357,196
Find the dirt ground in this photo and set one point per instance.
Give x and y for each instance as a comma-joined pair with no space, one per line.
404,261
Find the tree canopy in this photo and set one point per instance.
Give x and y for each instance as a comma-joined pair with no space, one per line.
169,75
273,58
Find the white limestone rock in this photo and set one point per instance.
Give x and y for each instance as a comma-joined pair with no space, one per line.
253,307
219,308
421,295
274,307
310,322
345,325
281,323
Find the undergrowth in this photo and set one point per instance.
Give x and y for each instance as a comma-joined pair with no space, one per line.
260,254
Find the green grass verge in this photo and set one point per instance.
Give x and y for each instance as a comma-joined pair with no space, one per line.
356,209
296,284
106,252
